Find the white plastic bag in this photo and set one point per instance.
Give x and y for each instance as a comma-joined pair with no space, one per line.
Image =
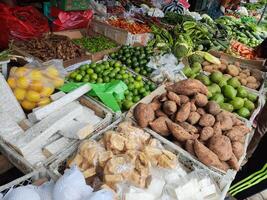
23,193
103,194
46,190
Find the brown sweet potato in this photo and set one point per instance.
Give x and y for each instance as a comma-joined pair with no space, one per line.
183,99
201,111
189,146
201,100
221,146
193,107
213,108
179,132
155,104
206,133
206,156
225,121
174,97
144,114
193,118
243,128
235,135
159,125
188,87
225,166
159,113
237,121
207,120
217,128
188,127
169,107
238,149
163,97
183,112
233,162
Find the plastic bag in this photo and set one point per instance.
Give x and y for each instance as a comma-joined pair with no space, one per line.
22,193
46,190
33,83
72,20
103,194
20,23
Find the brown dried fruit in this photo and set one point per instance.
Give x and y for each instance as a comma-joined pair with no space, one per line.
143,114
183,112
238,149
169,107
193,107
213,108
201,100
188,87
159,125
225,120
183,99
179,132
206,156
173,97
159,113
189,146
221,146
188,127
233,162
207,120
206,133
201,111
217,128
193,118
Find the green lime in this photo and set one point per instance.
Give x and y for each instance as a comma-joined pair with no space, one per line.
127,104
118,77
138,78
130,87
129,98
106,79
93,76
135,92
131,79
146,93
83,67
142,90
152,86
82,73
117,64
137,69
137,85
243,112
78,77
99,80
73,74
85,80
136,99
89,71
112,74
125,76
93,65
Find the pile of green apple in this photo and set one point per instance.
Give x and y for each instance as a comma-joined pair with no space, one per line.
229,94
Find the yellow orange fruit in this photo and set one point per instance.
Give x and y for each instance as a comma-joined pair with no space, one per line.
32,96
47,91
36,75
58,82
19,93
44,101
28,105
23,82
21,71
52,72
11,82
36,86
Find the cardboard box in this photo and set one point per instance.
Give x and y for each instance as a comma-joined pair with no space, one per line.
119,35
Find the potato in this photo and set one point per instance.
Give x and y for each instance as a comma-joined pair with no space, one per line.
193,107
144,114
243,81
174,97
217,128
252,85
221,146
208,68
232,70
188,127
206,133
189,146
236,63
243,75
183,113
159,126
188,87
251,79
233,162
206,156
201,100
183,99
159,113
207,120
222,67
238,149
224,61
225,120
205,63
213,108
193,118
246,71
201,111
179,132
169,107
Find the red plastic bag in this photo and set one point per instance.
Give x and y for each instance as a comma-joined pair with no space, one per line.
72,20
21,23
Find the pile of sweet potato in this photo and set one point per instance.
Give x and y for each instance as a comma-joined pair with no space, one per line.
184,115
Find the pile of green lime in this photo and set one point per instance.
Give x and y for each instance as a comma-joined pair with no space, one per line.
229,94
135,58
107,71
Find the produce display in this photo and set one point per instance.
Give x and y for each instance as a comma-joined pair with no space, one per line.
239,49
229,93
33,86
106,71
135,57
95,44
130,26
184,115
51,47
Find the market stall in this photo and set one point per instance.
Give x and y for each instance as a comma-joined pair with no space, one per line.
128,100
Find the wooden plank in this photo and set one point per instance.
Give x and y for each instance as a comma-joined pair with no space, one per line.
56,146
57,95
25,124
5,165
39,133
9,103
52,107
